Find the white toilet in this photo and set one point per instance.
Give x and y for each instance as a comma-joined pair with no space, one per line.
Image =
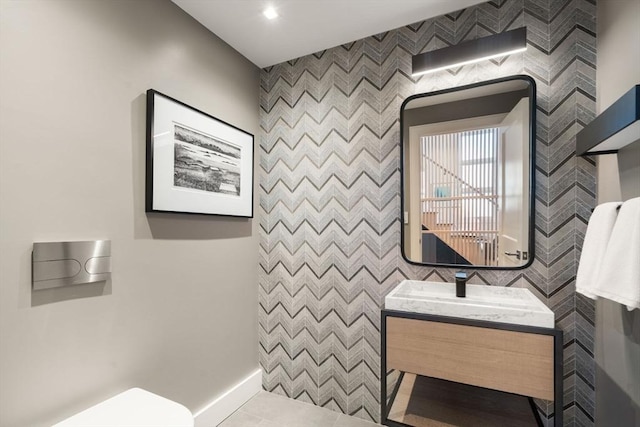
132,408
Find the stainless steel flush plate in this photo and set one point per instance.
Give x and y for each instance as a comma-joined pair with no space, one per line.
58,264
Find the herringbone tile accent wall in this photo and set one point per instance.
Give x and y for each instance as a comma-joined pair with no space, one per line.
329,188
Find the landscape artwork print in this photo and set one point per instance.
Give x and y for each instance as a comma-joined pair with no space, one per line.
202,162
195,162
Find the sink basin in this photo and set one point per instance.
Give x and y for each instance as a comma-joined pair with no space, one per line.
517,306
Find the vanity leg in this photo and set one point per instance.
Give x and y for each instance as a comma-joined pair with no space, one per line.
383,367
558,405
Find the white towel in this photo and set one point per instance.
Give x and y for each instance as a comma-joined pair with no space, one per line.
619,277
595,244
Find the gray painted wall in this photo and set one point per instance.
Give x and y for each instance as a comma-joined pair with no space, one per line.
179,315
617,329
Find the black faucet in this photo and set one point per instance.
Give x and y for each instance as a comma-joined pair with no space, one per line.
461,284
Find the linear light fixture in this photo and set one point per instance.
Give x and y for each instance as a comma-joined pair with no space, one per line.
471,51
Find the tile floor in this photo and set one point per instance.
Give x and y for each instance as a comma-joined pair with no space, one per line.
272,410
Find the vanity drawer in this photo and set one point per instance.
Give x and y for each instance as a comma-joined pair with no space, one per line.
506,360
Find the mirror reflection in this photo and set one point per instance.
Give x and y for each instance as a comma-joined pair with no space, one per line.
467,175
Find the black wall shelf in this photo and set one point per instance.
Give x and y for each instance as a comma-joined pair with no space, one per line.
614,128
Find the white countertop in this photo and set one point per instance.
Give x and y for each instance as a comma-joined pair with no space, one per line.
517,306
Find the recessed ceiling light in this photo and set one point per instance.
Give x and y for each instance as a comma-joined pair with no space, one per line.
270,13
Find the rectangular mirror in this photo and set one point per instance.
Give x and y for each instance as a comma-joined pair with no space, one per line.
468,175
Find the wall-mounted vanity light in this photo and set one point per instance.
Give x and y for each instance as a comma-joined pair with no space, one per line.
471,51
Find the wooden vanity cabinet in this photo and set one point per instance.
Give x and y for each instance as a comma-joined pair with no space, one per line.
514,359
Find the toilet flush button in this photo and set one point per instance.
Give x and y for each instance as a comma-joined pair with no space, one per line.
98,265
55,269
56,264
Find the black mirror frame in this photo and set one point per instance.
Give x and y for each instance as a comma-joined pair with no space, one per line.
532,170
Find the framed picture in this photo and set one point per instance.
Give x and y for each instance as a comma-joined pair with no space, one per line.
196,163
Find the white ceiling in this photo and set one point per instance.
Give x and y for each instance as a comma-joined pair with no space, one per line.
307,26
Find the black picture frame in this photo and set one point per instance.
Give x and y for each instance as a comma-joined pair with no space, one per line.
195,162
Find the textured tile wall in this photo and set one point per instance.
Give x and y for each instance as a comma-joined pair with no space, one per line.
329,188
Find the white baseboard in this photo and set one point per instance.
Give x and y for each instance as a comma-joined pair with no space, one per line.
227,403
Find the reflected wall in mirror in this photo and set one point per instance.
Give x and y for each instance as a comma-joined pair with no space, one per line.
468,175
